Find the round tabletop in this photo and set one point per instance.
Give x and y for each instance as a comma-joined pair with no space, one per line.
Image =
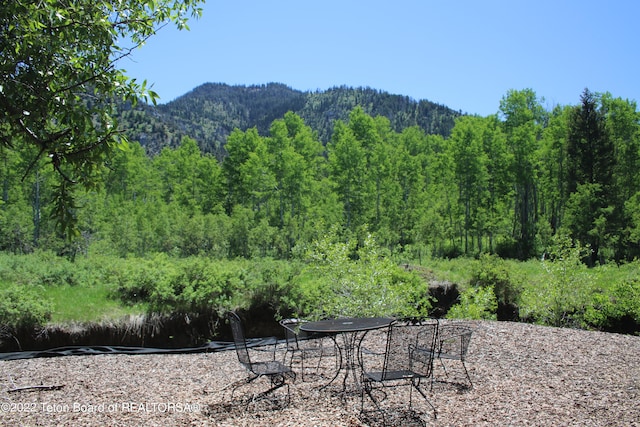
347,324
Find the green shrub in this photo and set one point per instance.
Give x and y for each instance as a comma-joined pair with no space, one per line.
507,247
41,268
137,279
617,310
493,272
561,297
191,285
274,284
22,307
475,303
202,286
359,281
451,251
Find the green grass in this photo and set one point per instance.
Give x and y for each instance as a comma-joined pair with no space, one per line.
609,274
456,270
86,304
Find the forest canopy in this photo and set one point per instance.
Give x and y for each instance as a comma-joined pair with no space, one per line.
507,184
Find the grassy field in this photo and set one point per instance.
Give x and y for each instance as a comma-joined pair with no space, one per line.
87,304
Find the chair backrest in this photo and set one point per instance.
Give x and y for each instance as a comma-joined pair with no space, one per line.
453,341
239,340
292,332
410,348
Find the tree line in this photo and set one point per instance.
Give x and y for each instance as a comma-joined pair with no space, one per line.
506,184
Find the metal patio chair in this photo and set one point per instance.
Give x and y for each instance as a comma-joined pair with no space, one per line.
407,360
452,343
303,345
277,372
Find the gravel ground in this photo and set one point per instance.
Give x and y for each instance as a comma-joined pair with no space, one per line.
522,375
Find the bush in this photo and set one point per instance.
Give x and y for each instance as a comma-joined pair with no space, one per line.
451,251
562,297
475,303
22,307
272,284
201,285
191,285
492,272
618,310
44,268
359,281
507,248
138,279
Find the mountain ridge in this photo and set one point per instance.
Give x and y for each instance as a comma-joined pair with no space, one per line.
210,112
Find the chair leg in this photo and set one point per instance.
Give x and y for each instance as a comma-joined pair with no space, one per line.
464,366
277,381
302,357
320,357
274,387
467,373
240,383
416,385
302,364
444,367
368,389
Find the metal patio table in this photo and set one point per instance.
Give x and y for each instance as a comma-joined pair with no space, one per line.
351,330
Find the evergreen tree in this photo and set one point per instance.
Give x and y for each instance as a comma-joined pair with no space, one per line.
591,162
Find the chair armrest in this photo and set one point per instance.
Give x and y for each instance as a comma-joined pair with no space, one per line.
456,335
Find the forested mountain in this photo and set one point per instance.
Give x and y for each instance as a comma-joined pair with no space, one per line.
210,112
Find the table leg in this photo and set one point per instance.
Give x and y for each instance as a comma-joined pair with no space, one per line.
347,344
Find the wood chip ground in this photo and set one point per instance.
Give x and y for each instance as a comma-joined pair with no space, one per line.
523,375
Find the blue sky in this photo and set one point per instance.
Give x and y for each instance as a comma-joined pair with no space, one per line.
465,54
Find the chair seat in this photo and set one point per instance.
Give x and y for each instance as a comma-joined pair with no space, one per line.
271,367
391,375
